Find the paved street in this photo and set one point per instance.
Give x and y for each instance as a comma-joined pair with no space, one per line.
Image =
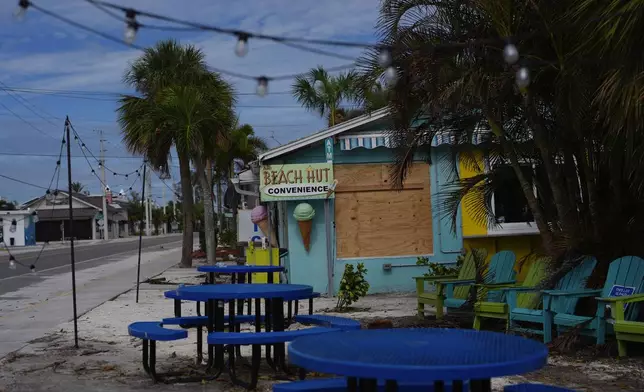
57,260
31,305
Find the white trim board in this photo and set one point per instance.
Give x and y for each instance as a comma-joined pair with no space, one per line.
319,136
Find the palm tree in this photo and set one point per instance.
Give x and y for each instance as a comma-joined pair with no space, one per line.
77,187
242,145
320,92
165,70
578,120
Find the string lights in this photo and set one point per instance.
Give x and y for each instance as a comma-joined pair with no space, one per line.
511,57
85,151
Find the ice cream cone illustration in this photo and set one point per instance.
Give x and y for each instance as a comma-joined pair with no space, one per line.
304,214
259,216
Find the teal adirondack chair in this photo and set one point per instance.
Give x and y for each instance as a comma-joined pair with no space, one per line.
522,305
499,271
625,275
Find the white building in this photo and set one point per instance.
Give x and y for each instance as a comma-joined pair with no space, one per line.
18,227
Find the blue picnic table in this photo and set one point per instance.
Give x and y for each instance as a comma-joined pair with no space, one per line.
425,356
240,273
215,296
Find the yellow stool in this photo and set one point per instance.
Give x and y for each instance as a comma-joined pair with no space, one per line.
259,256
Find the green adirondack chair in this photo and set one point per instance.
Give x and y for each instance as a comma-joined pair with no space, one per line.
625,276
499,309
522,308
467,272
625,330
500,271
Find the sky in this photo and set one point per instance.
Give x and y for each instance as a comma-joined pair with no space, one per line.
41,53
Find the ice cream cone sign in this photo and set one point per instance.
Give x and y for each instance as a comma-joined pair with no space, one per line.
304,214
259,216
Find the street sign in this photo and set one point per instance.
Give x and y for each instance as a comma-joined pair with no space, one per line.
101,222
62,226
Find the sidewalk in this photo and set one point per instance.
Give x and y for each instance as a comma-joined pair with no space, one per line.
31,312
78,243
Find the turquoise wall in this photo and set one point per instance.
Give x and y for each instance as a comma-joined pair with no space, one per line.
311,268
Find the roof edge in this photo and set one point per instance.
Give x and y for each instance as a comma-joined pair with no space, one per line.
321,135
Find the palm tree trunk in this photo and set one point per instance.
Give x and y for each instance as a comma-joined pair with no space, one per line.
187,210
220,206
208,213
212,202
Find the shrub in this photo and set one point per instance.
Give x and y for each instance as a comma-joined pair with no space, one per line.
439,269
353,285
228,238
202,240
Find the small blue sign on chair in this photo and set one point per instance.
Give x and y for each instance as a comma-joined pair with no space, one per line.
621,291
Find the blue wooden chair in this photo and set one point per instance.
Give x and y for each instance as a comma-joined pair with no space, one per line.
573,281
624,277
499,271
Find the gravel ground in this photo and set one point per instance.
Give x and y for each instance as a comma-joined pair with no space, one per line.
109,360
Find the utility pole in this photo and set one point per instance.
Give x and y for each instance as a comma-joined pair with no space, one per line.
104,186
148,208
163,177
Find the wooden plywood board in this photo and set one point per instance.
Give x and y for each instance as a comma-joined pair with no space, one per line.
384,223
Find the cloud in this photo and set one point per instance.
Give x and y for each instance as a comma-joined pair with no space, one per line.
48,54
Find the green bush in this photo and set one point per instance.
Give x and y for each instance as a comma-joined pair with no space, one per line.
202,240
228,238
353,285
439,269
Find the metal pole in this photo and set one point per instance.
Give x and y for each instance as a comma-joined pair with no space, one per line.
148,214
106,227
71,229
329,246
164,225
138,266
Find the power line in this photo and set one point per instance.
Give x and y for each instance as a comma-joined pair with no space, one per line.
24,182
25,121
30,90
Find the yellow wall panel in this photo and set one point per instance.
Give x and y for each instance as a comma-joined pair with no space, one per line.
522,246
470,227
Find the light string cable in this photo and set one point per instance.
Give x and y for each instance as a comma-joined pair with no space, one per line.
49,194
85,151
132,27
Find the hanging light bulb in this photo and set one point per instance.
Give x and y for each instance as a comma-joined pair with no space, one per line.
523,78
83,145
57,163
12,262
48,195
510,54
391,76
241,49
115,173
126,176
21,10
34,217
262,86
93,171
14,226
131,26
75,137
100,164
384,57
32,268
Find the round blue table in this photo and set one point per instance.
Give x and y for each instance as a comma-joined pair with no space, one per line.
238,273
225,292
215,295
418,356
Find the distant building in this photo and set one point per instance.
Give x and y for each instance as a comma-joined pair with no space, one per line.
17,227
53,217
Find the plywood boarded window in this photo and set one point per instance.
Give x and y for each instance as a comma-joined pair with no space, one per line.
373,220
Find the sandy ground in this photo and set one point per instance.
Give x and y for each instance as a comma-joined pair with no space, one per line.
110,360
